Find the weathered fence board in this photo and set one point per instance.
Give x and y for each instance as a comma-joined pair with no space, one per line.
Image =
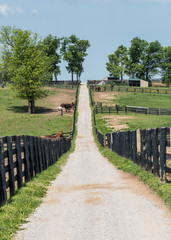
10,167
163,152
3,193
19,163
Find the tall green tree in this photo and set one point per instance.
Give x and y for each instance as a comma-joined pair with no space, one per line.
117,62
27,62
74,52
151,60
52,45
136,52
166,66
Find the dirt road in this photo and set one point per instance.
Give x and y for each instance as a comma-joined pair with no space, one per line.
91,200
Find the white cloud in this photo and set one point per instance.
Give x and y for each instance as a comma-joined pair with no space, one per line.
34,11
5,10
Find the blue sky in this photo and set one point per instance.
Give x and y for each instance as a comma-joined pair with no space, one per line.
105,23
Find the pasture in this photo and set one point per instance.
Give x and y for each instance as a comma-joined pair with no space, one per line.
131,121
15,120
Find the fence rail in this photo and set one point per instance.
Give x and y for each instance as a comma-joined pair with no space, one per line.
22,157
99,108
130,89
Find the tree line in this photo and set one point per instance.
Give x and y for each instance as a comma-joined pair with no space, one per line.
29,62
141,60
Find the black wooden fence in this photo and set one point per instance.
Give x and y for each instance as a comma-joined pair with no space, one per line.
22,157
99,108
146,148
131,89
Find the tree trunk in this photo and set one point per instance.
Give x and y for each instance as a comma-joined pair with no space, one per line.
72,76
121,78
31,107
56,77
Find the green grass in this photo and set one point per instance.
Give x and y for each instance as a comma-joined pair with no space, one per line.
138,121
14,119
144,100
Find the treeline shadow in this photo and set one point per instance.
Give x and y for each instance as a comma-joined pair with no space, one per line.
24,109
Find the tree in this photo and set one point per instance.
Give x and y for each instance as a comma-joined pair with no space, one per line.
4,68
52,44
27,63
74,52
151,60
117,62
166,65
136,51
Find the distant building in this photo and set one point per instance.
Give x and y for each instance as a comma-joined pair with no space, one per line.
136,82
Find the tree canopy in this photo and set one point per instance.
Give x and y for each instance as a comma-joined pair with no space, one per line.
141,60
166,65
52,45
74,52
28,64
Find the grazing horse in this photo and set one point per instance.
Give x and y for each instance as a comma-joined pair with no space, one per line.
97,89
67,106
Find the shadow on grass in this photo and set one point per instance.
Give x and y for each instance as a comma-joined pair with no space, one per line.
24,109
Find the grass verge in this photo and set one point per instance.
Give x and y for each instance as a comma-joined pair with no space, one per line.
162,189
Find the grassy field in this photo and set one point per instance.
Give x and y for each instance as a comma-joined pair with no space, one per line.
111,122
108,123
14,119
144,100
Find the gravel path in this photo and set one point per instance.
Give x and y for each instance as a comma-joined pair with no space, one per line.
92,200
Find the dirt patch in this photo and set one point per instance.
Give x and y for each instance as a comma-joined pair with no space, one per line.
115,121
61,96
93,200
106,186
105,97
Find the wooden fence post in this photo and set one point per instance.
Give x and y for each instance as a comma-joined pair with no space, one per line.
31,150
148,149
154,133
127,147
134,146
10,166
39,154
26,159
19,162
143,148
3,193
36,160
163,153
